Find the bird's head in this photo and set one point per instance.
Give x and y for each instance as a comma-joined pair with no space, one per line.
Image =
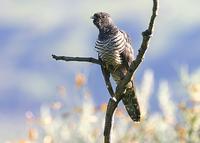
102,20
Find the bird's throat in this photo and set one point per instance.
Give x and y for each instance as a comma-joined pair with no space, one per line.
106,32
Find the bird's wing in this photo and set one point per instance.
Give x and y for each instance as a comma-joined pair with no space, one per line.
127,55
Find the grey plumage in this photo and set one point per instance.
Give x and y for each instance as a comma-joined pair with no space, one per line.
110,50
115,51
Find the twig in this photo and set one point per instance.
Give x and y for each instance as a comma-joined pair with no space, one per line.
79,59
134,65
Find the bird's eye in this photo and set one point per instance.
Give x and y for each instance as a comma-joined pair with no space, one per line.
103,16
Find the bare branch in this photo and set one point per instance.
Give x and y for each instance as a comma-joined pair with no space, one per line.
145,43
113,102
78,59
134,65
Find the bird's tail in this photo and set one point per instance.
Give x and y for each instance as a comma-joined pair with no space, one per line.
131,104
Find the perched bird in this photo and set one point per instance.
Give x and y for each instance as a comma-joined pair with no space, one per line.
115,52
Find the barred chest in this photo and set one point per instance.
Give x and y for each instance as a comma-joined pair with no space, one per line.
110,49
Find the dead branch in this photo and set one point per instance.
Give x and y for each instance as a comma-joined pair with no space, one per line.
78,59
113,102
134,65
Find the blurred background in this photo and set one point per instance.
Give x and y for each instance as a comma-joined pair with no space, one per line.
31,81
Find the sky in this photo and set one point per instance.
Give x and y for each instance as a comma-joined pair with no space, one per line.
31,31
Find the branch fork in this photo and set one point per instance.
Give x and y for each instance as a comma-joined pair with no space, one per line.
115,99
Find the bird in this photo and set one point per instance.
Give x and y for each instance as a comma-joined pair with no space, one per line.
115,52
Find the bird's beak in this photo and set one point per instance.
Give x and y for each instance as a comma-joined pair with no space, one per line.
92,17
